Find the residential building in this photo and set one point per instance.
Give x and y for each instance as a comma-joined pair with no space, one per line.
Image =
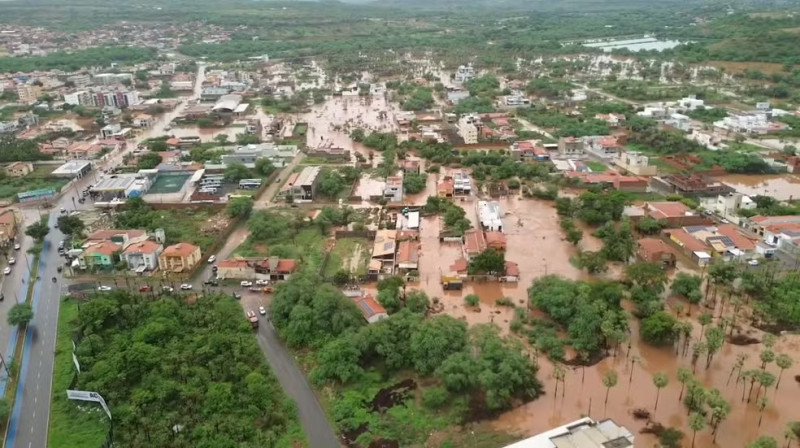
142,256
371,310
237,268
772,229
143,120
78,98
305,186
613,179
691,102
102,255
271,268
28,93
462,184
454,95
445,188
468,129
18,169
529,151
408,255
680,122
489,216
636,163
110,130
517,99
749,124
702,243
583,433
613,120
691,185
122,238
180,257
656,250
383,252
329,150
464,73
411,167
496,240
393,190
674,214
570,146
729,205
474,243
8,226
110,79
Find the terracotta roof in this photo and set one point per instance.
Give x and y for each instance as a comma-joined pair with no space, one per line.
173,142
145,247
446,186
494,239
732,232
608,142
290,181
368,306
460,265
653,246
525,145
512,269
233,263
667,209
105,248
286,265
408,252
110,233
180,250
474,241
7,217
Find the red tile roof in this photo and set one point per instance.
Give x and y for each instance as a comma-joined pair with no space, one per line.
474,241
180,250
667,209
460,265
145,247
652,246
368,306
110,233
512,269
496,240
731,231
408,252
286,266
233,263
105,248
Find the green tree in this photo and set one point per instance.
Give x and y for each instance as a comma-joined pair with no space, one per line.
5,409
472,300
235,172
148,161
763,442
650,226
660,380
221,138
784,362
489,261
20,314
435,340
239,207
670,438
648,275
70,225
658,329
610,379
264,167
697,422
38,230
766,356
684,377
704,319
338,360
414,183
593,262
714,340
158,146
331,184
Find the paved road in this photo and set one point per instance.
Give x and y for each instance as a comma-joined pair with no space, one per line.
315,423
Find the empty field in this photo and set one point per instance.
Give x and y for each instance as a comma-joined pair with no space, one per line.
351,255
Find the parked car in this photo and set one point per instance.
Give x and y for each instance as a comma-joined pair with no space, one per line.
186,287
753,262
167,288
212,259
7,270
104,288
63,211
211,281
262,282
144,288
214,268
246,283
12,260
262,311
17,246
237,296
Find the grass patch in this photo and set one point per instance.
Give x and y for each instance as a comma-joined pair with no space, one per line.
200,225
71,426
38,179
300,130
597,167
343,253
663,168
305,246
320,161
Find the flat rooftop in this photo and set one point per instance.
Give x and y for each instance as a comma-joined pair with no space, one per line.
119,182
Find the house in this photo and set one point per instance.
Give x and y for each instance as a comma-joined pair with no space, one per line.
656,250
446,188
729,205
18,169
235,269
408,255
371,310
766,226
583,433
691,185
674,214
8,226
123,238
723,241
570,146
142,256
529,151
611,179
143,120
474,243
275,269
305,185
180,257
468,127
464,73
101,255
393,190
635,163
517,99
462,185
496,241
411,167
511,275
608,145
613,120
489,216
383,251
84,150
691,102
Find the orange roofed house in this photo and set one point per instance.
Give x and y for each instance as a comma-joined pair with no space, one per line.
656,250
370,308
179,257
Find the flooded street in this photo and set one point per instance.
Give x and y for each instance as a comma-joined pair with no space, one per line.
783,187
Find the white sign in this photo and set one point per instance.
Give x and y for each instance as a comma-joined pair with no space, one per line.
75,361
88,396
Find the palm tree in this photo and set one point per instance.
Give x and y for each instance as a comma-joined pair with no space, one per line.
559,374
767,356
610,380
704,319
684,375
762,404
737,367
792,432
698,348
783,361
765,380
769,340
696,422
660,380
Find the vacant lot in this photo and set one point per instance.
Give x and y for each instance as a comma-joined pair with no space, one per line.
351,255
38,179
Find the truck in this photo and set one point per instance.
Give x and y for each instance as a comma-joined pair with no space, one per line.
253,318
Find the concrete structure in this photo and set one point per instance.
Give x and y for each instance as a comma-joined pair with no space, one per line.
468,127
18,169
529,151
227,104
464,73
304,187
749,124
656,250
383,252
613,120
272,268
143,256
691,102
247,155
73,169
28,93
180,257
636,163
371,310
583,433
489,215
773,229
674,214
729,205
393,190
570,146
701,243
121,186
102,255
516,99
690,185
462,184
408,255
110,130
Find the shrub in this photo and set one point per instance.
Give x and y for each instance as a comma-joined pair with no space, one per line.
472,300
434,397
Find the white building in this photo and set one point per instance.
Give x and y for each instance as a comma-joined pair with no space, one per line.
680,122
691,103
635,163
748,123
465,73
583,433
517,99
468,127
393,191
728,206
78,98
462,183
489,216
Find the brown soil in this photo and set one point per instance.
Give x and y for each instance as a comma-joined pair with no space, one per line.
742,339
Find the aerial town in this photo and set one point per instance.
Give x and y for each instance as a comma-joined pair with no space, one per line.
222,227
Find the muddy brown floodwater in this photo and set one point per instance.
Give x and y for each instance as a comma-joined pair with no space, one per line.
783,187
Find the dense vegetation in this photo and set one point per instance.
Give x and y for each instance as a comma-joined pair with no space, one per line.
13,149
71,61
166,363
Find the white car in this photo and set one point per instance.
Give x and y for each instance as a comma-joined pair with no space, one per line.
262,311
104,288
7,270
167,288
753,262
262,282
212,259
186,287
12,260
245,283
17,246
